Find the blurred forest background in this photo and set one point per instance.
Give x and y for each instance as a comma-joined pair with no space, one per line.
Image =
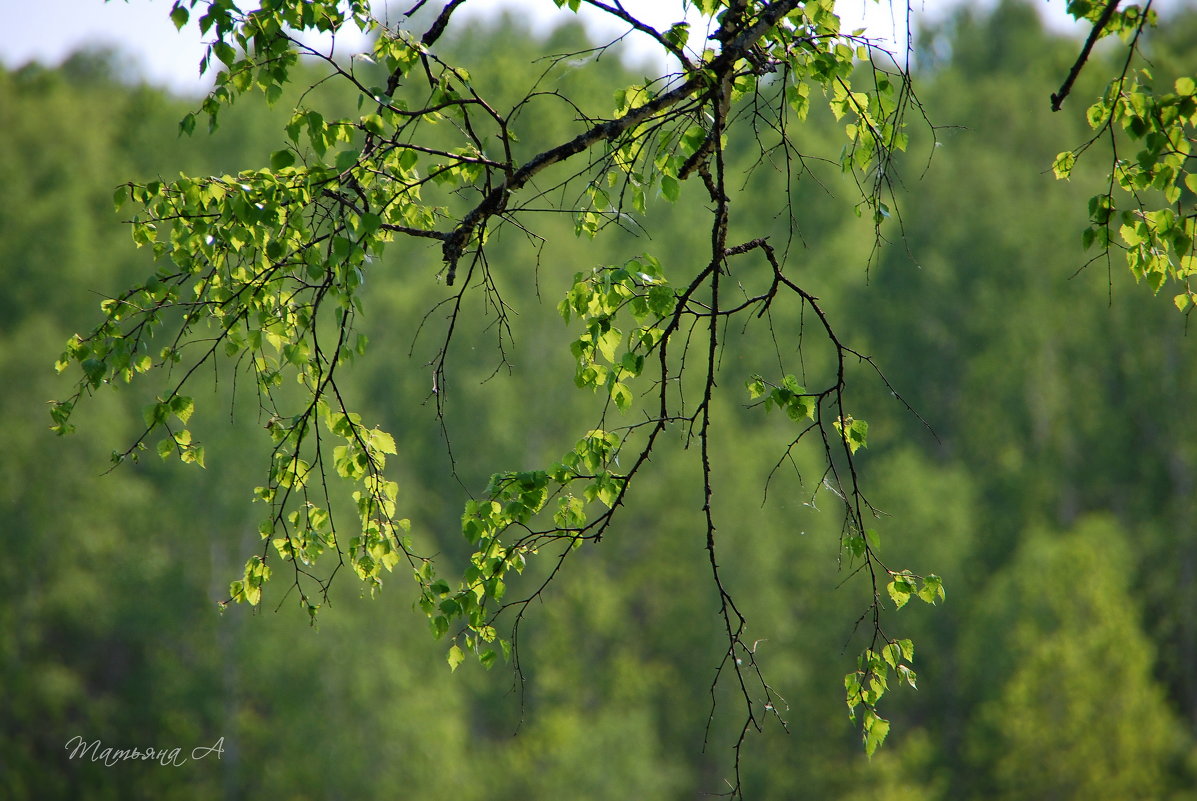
1057,500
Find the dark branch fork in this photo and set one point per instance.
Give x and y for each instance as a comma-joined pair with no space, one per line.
495,201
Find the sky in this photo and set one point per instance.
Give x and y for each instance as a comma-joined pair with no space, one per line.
49,30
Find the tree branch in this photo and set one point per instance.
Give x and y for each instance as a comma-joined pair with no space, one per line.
496,200
1094,35
620,13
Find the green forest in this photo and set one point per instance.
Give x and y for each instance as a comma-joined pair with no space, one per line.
1029,444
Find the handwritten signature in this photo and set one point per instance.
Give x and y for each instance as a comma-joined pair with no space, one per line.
167,757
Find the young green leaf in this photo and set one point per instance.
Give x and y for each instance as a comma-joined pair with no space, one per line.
456,657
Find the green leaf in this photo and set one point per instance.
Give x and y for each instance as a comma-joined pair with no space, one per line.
670,188
224,52
855,432
487,658
456,657
179,16
251,594
1063,164
621,395
876,730
281,158
678,34
800,407
346,159
182,407
900,591
374,124
661,300
608,341
370,223
932,589
154,413
632,363
892,654
193,454
382,441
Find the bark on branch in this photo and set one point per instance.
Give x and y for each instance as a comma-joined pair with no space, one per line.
1079,64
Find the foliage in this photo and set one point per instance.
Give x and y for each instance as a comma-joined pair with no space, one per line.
1157,222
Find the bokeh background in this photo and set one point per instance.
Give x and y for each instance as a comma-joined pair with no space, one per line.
1056,496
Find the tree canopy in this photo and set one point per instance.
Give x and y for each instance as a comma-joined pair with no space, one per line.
433,163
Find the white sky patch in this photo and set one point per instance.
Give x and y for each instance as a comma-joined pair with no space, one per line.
49,30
